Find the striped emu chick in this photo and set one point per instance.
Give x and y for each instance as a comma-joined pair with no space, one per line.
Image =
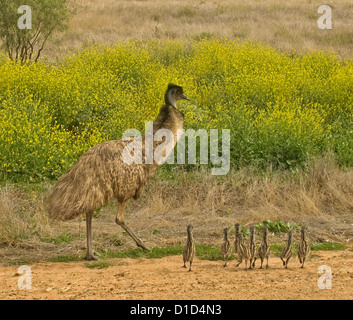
226,247
303,248
264,250
252,248
236,237
287,250
243,250
189,251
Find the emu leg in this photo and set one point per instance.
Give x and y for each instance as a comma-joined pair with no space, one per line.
246,264
303,263
89,255
287,263
240,260
120,221
253,264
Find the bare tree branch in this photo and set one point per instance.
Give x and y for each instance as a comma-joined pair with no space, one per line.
41,48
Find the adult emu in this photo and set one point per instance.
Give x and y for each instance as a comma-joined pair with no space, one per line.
102,174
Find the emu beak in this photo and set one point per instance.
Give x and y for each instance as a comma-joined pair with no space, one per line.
183,96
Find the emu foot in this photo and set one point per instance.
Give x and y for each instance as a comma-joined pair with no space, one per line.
143,246
90,257
137,240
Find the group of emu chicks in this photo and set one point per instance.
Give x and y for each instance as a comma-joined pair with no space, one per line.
249,253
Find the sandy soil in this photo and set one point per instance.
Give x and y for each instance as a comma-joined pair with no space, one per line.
165,279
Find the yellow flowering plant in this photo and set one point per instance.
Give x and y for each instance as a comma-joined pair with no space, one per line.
282,108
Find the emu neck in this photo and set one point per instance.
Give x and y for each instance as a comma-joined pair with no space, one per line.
265,238
169,117
169,99
290,240
240,237
190,238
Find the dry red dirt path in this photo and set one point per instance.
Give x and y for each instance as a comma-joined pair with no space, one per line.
165,279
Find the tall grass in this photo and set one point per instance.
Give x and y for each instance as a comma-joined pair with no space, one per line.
282,109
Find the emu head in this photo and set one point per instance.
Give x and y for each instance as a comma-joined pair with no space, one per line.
173,94
290,236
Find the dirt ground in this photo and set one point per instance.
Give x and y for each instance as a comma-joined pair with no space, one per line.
164,278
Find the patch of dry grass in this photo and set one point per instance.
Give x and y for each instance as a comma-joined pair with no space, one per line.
321,198
21,216
290,25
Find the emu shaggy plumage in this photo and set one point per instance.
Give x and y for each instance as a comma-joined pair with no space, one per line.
100,175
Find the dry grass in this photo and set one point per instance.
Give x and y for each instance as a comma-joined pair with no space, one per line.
290,25
22,218
321,198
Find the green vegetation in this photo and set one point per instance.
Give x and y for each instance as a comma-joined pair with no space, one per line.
282,109
139,253
327,246
97,265
63,238
276,226
276,248
203,252
18,262
207,252
67,258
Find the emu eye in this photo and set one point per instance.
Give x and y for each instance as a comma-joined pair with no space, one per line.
178,91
